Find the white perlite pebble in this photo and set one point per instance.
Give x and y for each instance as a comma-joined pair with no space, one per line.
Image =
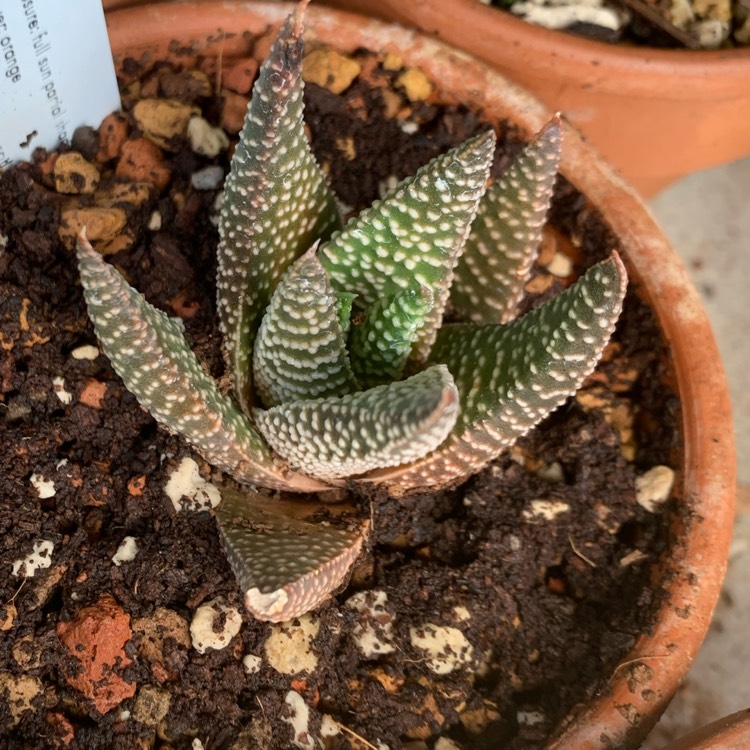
560,265
712,32
66,397
299,718
197,745
329,727
154,221
87,351
554,15
552,472
447,648
530,718
252,663
188,490
202,631
653,488
44,487
373,634
40,558
205,139
208,178
462,614
289,648
545,509
126,552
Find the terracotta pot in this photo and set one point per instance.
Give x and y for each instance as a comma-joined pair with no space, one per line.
645,681
656,115
730,733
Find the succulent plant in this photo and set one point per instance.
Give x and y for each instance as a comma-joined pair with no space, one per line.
343,371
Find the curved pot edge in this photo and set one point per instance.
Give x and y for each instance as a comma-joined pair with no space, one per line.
657,663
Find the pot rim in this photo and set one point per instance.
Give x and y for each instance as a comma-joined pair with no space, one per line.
644,682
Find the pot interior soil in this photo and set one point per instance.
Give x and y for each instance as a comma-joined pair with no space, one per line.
481,614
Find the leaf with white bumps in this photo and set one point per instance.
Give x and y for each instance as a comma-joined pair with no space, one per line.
384,426
285,567
504,239
382,341
414,235
300,352
276,202
149,352
511,376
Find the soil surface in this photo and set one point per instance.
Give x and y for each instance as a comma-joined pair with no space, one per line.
481,614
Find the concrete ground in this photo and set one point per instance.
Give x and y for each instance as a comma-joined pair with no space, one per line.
707,217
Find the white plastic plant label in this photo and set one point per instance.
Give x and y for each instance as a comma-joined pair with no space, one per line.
56,73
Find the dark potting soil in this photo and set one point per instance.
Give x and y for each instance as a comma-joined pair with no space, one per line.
539,602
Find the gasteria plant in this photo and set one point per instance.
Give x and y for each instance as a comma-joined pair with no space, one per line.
343,371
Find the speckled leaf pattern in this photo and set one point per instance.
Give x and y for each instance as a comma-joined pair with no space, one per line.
149,352
300,352
414,235
285,566
276,203
504,239
511,376
382,341
384,426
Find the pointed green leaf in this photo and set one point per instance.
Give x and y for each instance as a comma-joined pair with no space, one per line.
300,352
511,376
414,235
149,352
504,239
276,202
286,567
385,426
382,341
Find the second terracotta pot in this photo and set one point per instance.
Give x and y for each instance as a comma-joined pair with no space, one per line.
656,115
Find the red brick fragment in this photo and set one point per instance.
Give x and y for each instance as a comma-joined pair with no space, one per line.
97,638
